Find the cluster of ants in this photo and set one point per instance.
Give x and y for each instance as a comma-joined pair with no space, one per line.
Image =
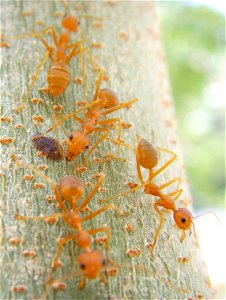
71,189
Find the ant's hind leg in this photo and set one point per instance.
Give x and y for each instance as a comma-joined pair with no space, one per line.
91,195
177,192
166,165
35,77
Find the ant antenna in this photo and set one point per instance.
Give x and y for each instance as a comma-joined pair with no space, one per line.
209,212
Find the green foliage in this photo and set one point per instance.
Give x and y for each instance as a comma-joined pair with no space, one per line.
194,41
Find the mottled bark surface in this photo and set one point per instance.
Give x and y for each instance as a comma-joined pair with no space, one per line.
132,57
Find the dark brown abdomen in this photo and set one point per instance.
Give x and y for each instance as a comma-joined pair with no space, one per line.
58,79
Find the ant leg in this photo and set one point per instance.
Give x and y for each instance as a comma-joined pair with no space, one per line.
73,51
183,236
49,48
170,182
91,195
166,165
178,192
102,209
60,244
82,283
162,220
138,167
119,128
55,117
122,194
53,33
125,104
108,232
104,136
24,218
37,73
50,181
98,85
67,117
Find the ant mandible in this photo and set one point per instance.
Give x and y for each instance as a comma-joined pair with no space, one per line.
79,141
71,189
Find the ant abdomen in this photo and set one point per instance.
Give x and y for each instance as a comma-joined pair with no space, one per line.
71,188
148,155
58,79
183,218
110,98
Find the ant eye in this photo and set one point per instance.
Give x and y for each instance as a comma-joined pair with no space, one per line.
183,220
70,137
104,262
82,266
87,147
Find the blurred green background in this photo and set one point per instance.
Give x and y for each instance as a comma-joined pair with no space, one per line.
194,38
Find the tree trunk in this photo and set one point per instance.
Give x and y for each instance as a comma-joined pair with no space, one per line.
131,55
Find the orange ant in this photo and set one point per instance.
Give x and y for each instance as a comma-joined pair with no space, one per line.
147,156
58,76
71,189
79,141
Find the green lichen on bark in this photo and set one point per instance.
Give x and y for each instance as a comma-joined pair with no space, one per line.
132,56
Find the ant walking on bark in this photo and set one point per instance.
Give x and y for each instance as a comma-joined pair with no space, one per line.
71,189
105,102
147,156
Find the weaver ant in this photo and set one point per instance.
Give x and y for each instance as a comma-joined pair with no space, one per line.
147,156
79,141
71,189
58,75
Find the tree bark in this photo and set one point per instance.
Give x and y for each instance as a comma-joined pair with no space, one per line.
131,54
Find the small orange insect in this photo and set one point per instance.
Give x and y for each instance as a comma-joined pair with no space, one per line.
147,156
58,77
71,189
105,102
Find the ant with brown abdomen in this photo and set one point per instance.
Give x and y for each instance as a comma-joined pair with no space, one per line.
105,102
71,189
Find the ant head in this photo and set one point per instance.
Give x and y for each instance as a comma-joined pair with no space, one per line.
78,143
148,155
183,218
110,98
71,188
70,23
91,263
